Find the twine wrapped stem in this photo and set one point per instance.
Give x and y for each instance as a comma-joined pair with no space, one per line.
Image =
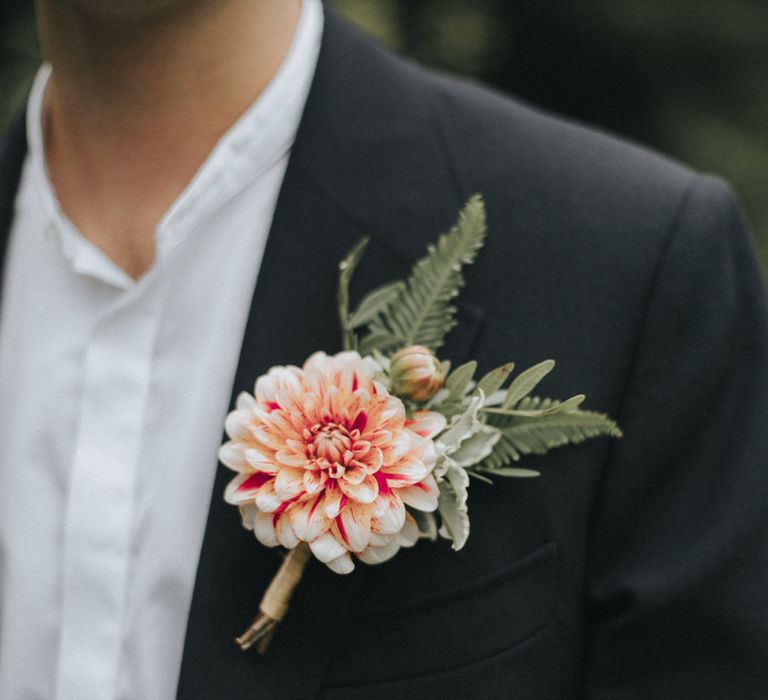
276,601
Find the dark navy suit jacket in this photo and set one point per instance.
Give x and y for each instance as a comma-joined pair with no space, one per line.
635,568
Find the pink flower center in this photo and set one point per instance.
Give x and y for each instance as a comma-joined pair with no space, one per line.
330,441
334,448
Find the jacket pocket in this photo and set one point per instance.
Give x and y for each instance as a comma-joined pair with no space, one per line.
451,628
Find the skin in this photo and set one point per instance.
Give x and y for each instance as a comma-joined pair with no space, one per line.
141,91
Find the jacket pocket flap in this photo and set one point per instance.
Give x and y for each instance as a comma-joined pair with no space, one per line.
453,627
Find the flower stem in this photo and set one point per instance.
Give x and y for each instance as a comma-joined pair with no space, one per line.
276,601
346,270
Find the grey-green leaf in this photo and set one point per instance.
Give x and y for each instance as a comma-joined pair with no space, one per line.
426,523
452,505
513,472
476,447
346,269
494,380
567,406
462,426
525,382
459,380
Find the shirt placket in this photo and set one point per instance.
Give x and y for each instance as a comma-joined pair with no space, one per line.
97,527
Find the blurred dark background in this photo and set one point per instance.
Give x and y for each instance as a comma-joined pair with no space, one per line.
688,77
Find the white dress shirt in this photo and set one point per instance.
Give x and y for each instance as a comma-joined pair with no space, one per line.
114,394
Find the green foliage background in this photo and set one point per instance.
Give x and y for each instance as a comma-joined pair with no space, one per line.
687,77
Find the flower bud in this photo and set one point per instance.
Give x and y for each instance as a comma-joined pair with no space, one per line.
416,373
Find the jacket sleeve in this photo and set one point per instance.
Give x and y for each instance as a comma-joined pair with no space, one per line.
678,558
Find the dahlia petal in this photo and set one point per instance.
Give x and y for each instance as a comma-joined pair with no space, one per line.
288,399
363,492
247,514
335,500
336,399
289,482
373,460
377,555
348,381
427,453
308,518
381,505
345,358
356,475
360,421
379,437
327,547
267,437
264,390
371,367
290,458
231,455
409,535
381,479
341,565
290,380
427,423
314,480
406,472
243,488
285,533
311,407
239,425
392,516
317,360
260,461
314,381
293,444
353,526
379,540
396,448
267,501
421,496
278,378
280,422
245,402
361,448
264,529
392,410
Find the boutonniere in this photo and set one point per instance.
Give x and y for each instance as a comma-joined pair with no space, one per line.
355,455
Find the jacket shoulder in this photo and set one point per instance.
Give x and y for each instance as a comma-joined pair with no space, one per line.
423,127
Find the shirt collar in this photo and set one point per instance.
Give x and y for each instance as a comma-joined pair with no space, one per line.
262,135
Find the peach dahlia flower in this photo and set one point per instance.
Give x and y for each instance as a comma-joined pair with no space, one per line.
326,455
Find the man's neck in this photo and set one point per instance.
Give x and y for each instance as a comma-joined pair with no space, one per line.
137,99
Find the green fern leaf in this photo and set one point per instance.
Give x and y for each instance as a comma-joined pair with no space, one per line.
537,435
421,313
545,409
375,302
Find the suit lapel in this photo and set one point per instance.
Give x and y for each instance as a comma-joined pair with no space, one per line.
332,194
293,314
359,166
